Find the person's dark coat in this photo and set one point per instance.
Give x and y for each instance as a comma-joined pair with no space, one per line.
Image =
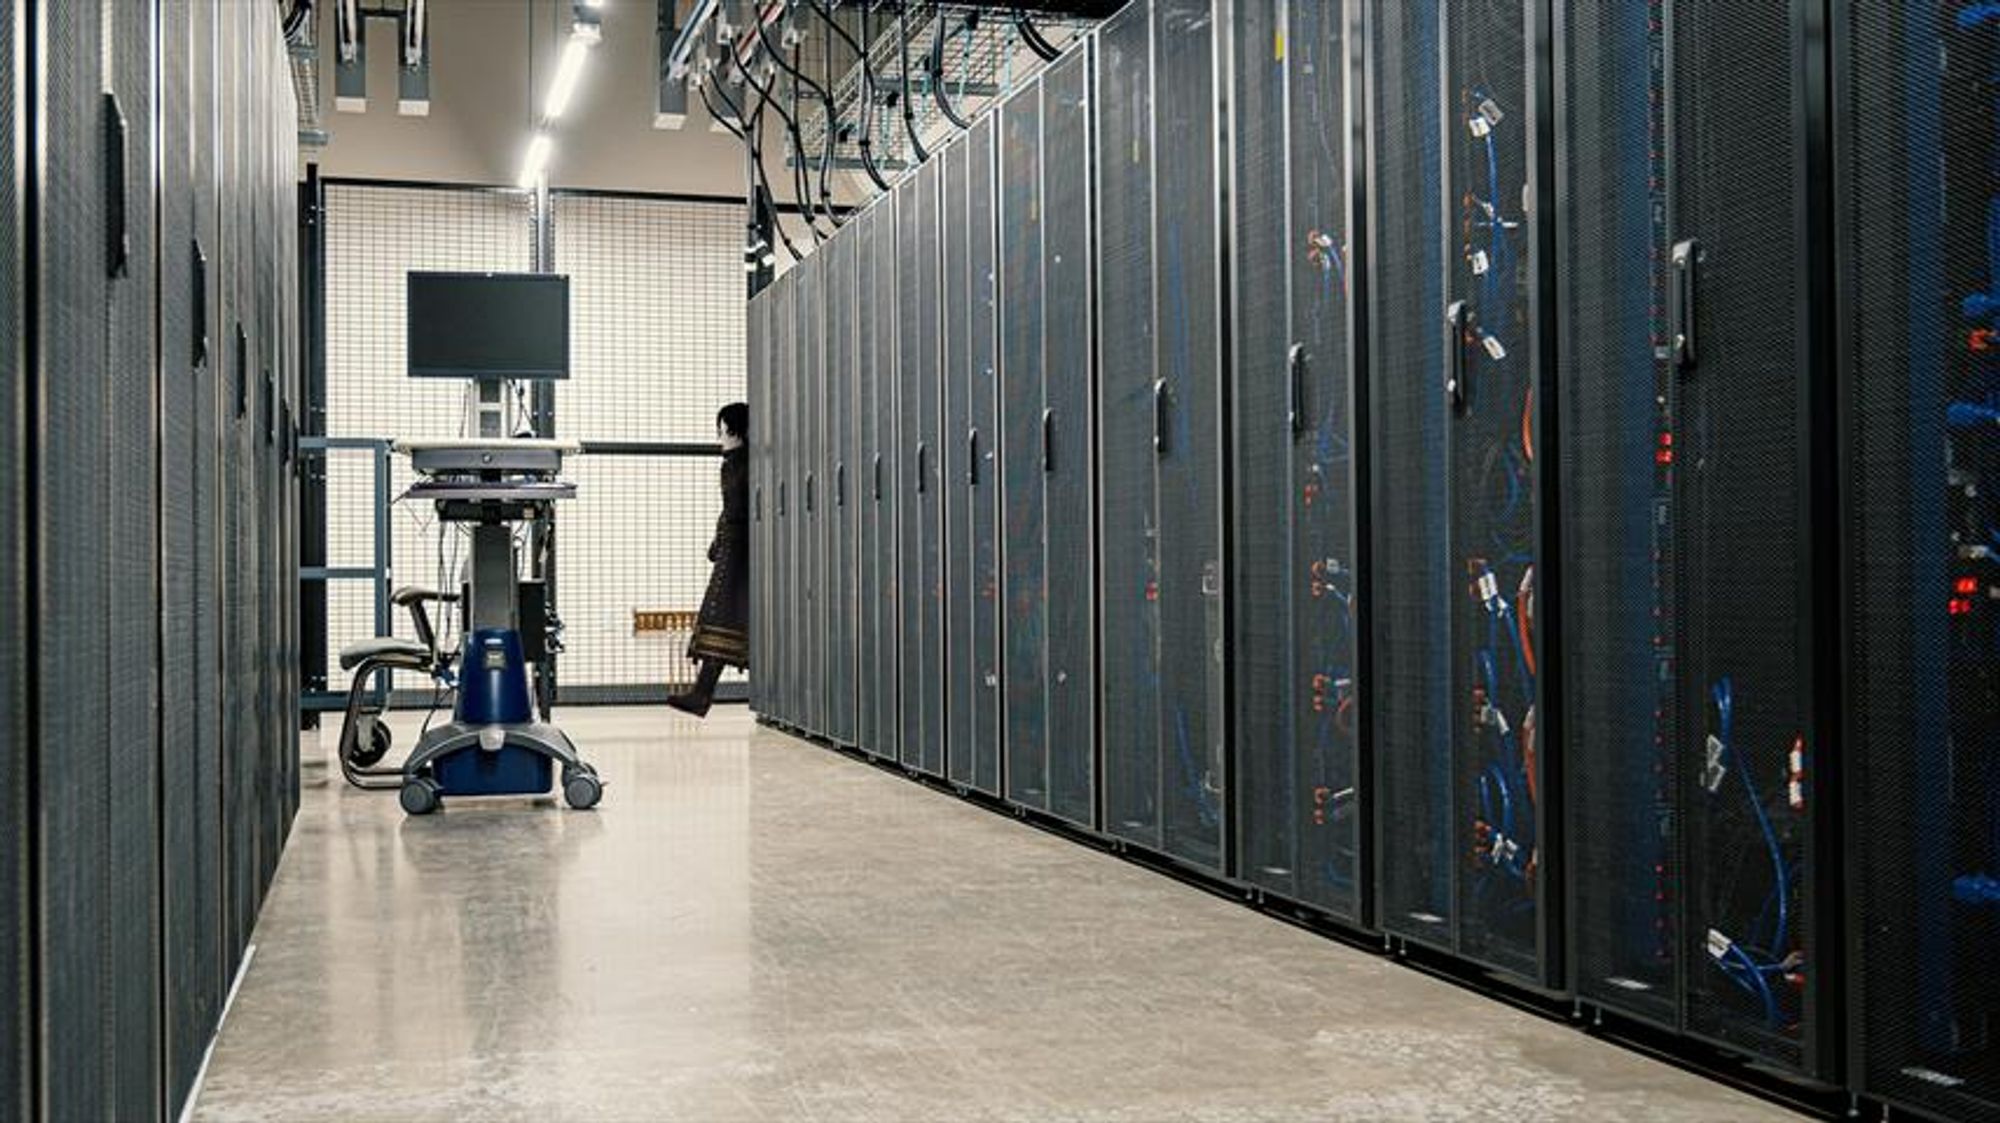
722,631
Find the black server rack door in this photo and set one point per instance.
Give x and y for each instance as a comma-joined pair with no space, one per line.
1129,409
755,352
1920,286
1263,397
885,484
791,608
131,540
1489,126
73,569
863,499
930,192
815,273
846,656
210,389
836,660
1023,461
1413,586
1292,417
189,901
955,297
1617,473
1188,359
240,524
1067,301
16,926
1322,249
911,363
983,445
1737,174
922,558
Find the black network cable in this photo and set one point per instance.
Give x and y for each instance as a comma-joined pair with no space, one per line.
903,64
937,70
867,87
754,128
1032,36
799,181
826,99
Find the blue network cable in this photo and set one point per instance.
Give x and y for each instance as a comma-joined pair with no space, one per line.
1751,962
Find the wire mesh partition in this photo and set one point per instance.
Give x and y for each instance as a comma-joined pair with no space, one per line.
657,312
656,329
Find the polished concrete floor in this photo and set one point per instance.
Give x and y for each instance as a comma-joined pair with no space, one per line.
755,929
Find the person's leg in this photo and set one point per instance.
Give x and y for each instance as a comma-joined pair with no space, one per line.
698,700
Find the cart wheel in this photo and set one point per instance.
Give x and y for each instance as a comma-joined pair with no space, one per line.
419,796
582,790
379,740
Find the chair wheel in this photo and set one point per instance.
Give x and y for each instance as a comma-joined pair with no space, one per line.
379,740
582,790
419,796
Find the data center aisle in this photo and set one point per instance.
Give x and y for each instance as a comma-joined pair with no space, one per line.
753,928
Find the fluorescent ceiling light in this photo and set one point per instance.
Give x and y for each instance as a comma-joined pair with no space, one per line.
538,160
568,71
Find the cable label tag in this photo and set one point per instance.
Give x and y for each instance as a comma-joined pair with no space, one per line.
1480,264
1489,112
1719,945
1480,126
1712,775
1493,347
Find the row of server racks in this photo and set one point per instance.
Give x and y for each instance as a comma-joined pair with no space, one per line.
149,363
1517,478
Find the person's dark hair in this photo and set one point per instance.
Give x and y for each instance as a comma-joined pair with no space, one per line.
735,417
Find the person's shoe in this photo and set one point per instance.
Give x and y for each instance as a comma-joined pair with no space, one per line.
692,704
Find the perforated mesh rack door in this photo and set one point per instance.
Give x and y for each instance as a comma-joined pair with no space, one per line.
16,1072
983,465
756,355
1261,391
1187,359
1067,267
1916,142
919,363
886,471
1743,560
1413,587
1494,697
955,303
1128,589
1617,465
1025,508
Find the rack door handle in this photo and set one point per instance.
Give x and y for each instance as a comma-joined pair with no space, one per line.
1681,318
200,286
1160,416
972,458
117,230
757,503
840,484
1457,318
1295,411
877,482
923,453
1048,440
242,357
781,499
809,493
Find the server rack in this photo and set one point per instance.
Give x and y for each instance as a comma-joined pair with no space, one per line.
16,653
756,326
1295,267
843,387
787,621
814,276
971,491
1461,403
836,537
918,362
883,598
1915,143
1694,435
1159,354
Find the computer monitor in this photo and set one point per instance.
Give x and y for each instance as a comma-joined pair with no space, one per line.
488,325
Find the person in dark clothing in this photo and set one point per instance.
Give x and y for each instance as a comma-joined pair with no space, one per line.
722,631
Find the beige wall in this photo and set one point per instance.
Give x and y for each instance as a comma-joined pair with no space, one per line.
480,117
